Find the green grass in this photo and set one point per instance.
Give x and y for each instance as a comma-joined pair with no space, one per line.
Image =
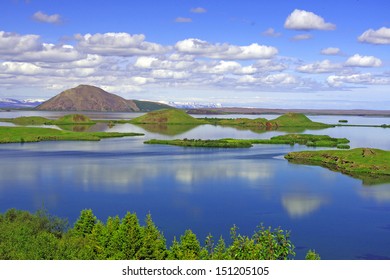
289,139
220,143
37,134
370,165
166,116
65,120
295,120
289,120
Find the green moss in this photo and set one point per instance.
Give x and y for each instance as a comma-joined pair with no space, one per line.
372,166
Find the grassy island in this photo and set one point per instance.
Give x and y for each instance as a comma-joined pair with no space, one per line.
73,119
372,166
37,134
167,116
289,139
289,120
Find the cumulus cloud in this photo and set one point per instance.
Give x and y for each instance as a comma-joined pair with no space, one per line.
379,37
19,68
198,10
270,32
331,51
12,43
325,66
42,17
363,61
303,20
119,44
183,19
225,51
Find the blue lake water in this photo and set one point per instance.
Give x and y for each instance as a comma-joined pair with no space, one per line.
207,190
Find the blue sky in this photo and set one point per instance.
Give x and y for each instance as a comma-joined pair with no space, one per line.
275,54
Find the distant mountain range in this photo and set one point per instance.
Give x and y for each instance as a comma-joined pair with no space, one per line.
10,103
192,105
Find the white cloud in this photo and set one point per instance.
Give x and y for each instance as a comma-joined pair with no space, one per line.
380,36
42,17
19,68
361,78
117,44
331,51
183,19
363,61
168,74
12,43
273,80
303,20
301,37
325,66
225,51
198,10
270,32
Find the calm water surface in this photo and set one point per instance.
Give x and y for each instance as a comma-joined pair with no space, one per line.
207,190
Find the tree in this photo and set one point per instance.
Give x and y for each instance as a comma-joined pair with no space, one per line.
85,223
153,242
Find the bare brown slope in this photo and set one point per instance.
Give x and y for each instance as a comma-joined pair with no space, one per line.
88,98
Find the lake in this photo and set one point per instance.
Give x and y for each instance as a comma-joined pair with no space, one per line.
206,190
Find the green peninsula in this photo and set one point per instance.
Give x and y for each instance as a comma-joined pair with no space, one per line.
37,134
372,166
289,139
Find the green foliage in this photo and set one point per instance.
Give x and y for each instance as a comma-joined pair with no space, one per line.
312,255
85,224
153,242
187,249
40,236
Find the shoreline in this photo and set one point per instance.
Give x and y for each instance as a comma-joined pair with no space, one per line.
259,111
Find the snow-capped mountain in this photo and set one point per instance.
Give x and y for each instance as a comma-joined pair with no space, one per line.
11,103
192,105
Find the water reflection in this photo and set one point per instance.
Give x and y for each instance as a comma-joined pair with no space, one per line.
380,193
165,129
300,205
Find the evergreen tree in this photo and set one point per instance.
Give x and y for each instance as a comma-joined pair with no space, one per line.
85,223
153,243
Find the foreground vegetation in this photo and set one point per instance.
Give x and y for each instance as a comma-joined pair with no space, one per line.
37,134
40,236
290,139
372,166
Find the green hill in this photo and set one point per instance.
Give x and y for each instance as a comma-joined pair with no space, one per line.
294,120
167,116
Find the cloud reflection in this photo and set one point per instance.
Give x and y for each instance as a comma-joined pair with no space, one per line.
300,205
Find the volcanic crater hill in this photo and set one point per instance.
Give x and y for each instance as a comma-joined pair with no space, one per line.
91,98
